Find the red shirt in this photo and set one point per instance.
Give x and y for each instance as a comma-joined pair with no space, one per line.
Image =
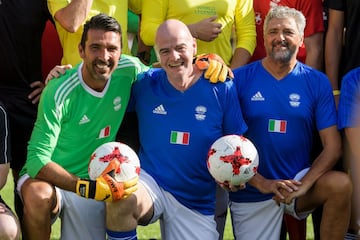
51,49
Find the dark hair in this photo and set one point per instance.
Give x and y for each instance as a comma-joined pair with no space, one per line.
100,21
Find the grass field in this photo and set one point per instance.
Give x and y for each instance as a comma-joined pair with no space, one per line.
144,233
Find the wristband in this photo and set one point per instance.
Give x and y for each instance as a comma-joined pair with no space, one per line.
336,92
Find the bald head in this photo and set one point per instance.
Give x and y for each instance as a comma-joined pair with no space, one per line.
175,49
172,30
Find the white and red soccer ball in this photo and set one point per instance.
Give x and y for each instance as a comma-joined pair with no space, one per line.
128,168
232,159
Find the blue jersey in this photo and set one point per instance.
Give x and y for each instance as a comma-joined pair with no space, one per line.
177,129
349,108
282,116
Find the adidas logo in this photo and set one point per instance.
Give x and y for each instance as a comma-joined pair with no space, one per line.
257,97
160,110
84,120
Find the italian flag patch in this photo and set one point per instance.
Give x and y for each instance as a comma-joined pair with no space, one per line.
105,132
277,126
181,138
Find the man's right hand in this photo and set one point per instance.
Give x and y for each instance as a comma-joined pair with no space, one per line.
57,71
105,187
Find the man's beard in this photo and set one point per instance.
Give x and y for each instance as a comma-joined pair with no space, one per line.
282,55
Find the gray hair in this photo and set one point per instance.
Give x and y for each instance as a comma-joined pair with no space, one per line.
286,12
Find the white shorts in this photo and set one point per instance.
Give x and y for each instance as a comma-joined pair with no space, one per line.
262,220
256,220
81,218
290,209
177,222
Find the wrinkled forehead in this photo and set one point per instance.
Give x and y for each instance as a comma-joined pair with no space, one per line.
281,23
169,39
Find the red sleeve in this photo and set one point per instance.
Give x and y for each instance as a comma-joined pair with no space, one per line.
51,49
313,12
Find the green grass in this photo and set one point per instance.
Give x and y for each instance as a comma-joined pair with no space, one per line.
149,232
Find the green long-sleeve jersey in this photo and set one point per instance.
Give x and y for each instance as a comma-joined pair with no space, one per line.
73,120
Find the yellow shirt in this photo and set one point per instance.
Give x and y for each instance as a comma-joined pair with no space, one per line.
135,6
70,41
237,14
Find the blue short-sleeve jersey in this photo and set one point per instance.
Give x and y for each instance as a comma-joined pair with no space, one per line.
349,107
282,116
177,129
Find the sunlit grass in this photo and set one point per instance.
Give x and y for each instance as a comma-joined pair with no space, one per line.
145,233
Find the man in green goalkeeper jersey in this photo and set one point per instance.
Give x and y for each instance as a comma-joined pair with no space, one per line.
78,112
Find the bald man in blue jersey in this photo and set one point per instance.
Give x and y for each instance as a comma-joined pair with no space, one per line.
180,115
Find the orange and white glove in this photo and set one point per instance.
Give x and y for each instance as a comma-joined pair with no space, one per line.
216,69
105,187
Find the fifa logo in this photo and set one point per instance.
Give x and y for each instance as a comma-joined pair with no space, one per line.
200,113
116,102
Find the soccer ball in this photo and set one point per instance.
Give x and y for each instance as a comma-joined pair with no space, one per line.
232,159
129,162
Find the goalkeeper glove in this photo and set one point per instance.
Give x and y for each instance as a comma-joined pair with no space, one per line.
105,187
216,71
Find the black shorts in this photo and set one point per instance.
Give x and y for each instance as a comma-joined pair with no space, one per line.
22,116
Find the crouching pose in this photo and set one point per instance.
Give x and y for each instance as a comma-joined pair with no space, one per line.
180,115
83,108
77,113
284,102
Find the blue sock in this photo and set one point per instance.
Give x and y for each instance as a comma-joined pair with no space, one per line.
351,236
131,235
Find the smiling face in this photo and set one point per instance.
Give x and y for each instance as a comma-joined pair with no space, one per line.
282,39
100,56
175,49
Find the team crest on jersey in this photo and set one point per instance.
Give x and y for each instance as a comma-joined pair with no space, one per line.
294,100
117,103
200,113
258,19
